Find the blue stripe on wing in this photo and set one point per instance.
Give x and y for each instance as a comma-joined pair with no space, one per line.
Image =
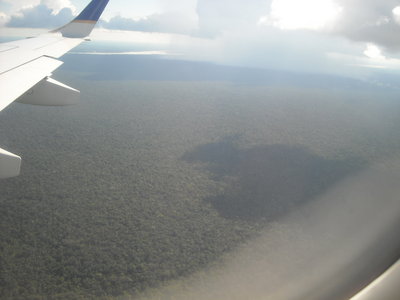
93,11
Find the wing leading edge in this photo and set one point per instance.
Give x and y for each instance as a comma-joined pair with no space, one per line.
26,65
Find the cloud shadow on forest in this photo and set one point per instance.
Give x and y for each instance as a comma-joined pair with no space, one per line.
267,181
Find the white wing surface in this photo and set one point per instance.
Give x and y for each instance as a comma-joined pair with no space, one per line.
26,67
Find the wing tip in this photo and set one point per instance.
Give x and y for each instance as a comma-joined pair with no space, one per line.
84,23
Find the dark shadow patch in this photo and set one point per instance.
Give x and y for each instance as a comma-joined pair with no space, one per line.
221,157
266,182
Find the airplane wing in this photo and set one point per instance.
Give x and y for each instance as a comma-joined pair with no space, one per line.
26,67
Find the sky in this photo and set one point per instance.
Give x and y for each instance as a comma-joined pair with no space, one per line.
347,37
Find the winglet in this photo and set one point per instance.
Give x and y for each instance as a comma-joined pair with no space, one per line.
84,23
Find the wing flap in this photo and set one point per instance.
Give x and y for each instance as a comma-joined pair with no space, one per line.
17,81
50,92
10,164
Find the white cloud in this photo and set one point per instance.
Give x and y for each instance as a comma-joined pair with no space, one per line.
232,33
396,14
17,5
4,19
132,36
172,22
218,16
57,5
374,52
37,13
40,16
371,21
306,14
187,6
158,52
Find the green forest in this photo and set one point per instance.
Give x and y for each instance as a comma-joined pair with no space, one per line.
145,182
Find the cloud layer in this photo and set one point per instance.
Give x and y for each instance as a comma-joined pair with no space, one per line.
40,16
218,16
171,22
311,35
371,21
